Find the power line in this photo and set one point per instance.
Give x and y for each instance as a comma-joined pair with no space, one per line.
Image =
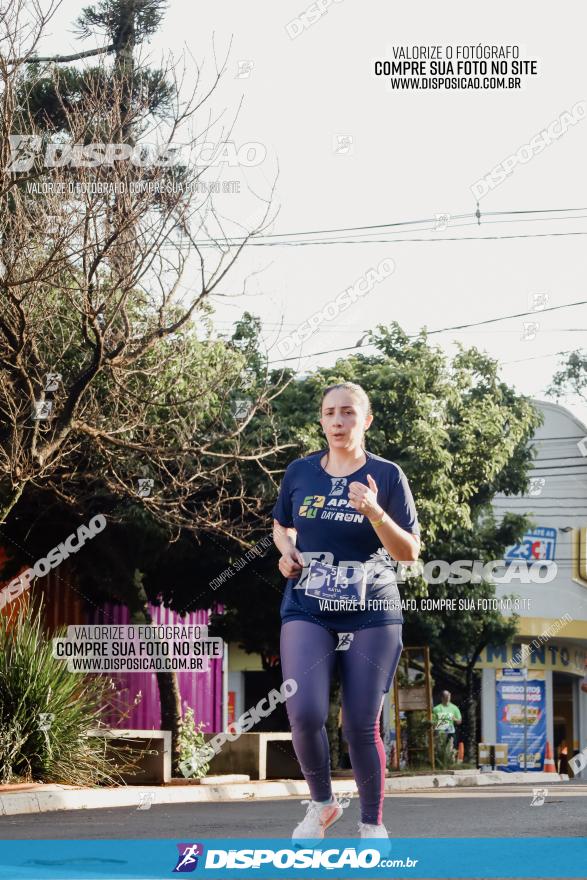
340,329
267,239
261,240
508,317
326,242
442,330
469,216
541,356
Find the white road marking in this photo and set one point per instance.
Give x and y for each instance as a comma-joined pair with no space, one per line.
553,793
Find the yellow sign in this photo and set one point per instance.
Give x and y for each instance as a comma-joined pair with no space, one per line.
550,655
579,555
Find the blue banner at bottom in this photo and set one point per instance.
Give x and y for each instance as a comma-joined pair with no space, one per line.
535,857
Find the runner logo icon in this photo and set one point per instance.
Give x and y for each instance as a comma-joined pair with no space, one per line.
344,641
338,485
187,859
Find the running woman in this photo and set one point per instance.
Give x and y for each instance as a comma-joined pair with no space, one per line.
341,517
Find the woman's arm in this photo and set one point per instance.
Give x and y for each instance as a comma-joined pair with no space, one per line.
292,561
284,538
403,546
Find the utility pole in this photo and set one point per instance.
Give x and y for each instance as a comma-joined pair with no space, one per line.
524,649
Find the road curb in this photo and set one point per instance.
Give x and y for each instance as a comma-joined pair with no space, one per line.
140,797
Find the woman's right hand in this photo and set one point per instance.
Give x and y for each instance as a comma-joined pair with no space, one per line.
291,563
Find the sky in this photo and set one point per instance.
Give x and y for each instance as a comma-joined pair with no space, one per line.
350,151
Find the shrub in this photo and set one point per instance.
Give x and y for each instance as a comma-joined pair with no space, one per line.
444,753
193,752
46,711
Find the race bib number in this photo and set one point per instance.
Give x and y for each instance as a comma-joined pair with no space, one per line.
345,581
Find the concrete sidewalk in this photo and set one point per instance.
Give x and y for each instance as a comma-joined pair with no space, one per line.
39,798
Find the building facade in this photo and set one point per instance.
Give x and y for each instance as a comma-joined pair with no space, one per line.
553,615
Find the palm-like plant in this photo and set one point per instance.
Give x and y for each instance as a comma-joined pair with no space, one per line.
46,711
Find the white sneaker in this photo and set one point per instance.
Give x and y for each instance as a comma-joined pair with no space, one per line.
380,831
366,830
318,818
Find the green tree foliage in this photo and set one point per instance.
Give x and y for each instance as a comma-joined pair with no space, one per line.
571,377
50,95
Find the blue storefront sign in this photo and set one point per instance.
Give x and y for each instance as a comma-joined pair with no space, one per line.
536,545
511,712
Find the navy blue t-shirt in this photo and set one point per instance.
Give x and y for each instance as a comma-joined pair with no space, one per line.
330,530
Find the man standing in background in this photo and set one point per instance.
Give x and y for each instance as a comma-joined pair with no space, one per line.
445,715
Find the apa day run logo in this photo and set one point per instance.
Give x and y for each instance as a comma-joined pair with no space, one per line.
187,860
312,503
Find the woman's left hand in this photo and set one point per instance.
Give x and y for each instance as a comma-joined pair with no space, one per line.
364,498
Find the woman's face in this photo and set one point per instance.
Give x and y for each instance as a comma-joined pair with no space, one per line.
343,420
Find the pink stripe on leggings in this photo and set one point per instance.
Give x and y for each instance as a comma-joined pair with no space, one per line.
381,752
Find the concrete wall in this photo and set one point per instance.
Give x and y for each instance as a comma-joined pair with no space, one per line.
488,706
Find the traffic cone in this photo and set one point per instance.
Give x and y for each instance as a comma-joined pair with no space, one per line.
460,752
548,760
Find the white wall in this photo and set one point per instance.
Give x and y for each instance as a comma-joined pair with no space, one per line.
562,502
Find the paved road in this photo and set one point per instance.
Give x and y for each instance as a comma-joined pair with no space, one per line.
496,811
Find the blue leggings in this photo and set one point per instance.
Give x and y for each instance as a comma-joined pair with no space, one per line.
367,667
